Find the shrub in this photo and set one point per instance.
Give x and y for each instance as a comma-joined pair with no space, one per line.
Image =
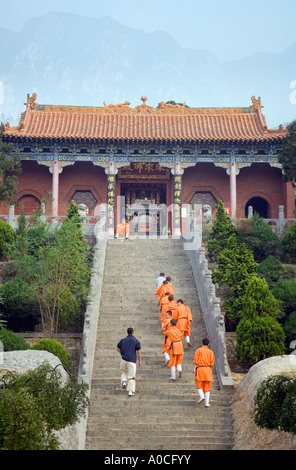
289,245
35,404
290,328
7,239
259,335
259,238
275,404
12,341
285,292
271,269
54,347
19,307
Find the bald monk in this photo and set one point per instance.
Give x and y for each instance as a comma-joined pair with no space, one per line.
184,321
166,341
204,360
122,229
176,349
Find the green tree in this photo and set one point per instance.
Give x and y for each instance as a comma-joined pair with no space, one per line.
10,164
289,245
7,239
259,238
275,404
222,229
287,154
259,335
236,266
37,403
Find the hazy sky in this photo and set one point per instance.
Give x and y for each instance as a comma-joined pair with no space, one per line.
231,29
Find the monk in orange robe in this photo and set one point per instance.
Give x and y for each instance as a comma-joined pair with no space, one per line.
173,306
176,349
166,340
164,306
163,288
122,229
184,320
204,360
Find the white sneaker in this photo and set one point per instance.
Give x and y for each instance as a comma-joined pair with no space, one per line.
200,400
130,394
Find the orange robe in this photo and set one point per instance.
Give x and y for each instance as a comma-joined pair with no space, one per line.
173,307
184,319
123,229
176,348
204,359
166,341
164,307
162,290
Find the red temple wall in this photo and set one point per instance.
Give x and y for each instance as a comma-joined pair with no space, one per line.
259,180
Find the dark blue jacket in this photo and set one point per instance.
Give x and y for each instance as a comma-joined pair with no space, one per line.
128,347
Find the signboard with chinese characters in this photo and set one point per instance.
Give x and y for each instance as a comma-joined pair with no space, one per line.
177,202
145,171
111,182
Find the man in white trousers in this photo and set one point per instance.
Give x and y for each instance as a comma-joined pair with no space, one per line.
129,348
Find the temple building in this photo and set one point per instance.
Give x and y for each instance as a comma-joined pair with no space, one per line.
172,155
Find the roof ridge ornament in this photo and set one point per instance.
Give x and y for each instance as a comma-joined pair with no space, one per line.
256,106
31,101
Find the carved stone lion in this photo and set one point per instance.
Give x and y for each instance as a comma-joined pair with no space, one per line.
206,211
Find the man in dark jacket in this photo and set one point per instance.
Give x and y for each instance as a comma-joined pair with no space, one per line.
129,348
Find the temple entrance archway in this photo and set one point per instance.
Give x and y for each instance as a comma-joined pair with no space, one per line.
147,196
260,206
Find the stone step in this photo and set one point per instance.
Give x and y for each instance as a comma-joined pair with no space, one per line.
163,414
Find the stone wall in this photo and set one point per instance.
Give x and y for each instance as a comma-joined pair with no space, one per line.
214,320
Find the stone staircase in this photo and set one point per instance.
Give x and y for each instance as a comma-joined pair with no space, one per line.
163,415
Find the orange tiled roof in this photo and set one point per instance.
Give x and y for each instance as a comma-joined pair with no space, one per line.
120,122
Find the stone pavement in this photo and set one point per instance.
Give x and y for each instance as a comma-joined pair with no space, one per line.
163,415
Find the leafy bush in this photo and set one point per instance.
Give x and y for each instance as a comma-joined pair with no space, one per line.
19,306
259,238
259,334
290,328
54,347
12,341
285,292
271,269
7,239
35,404
289,245
275,404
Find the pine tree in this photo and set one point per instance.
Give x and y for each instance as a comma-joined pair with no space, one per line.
258,334
10,164
222,229
287,154
236,268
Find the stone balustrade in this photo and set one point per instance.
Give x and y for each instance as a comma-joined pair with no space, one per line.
214,320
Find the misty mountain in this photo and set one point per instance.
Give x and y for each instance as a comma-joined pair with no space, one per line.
73,60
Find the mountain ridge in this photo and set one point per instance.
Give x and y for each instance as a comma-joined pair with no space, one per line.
73,60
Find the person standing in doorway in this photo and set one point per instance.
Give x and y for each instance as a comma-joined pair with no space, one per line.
204,360
129,348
